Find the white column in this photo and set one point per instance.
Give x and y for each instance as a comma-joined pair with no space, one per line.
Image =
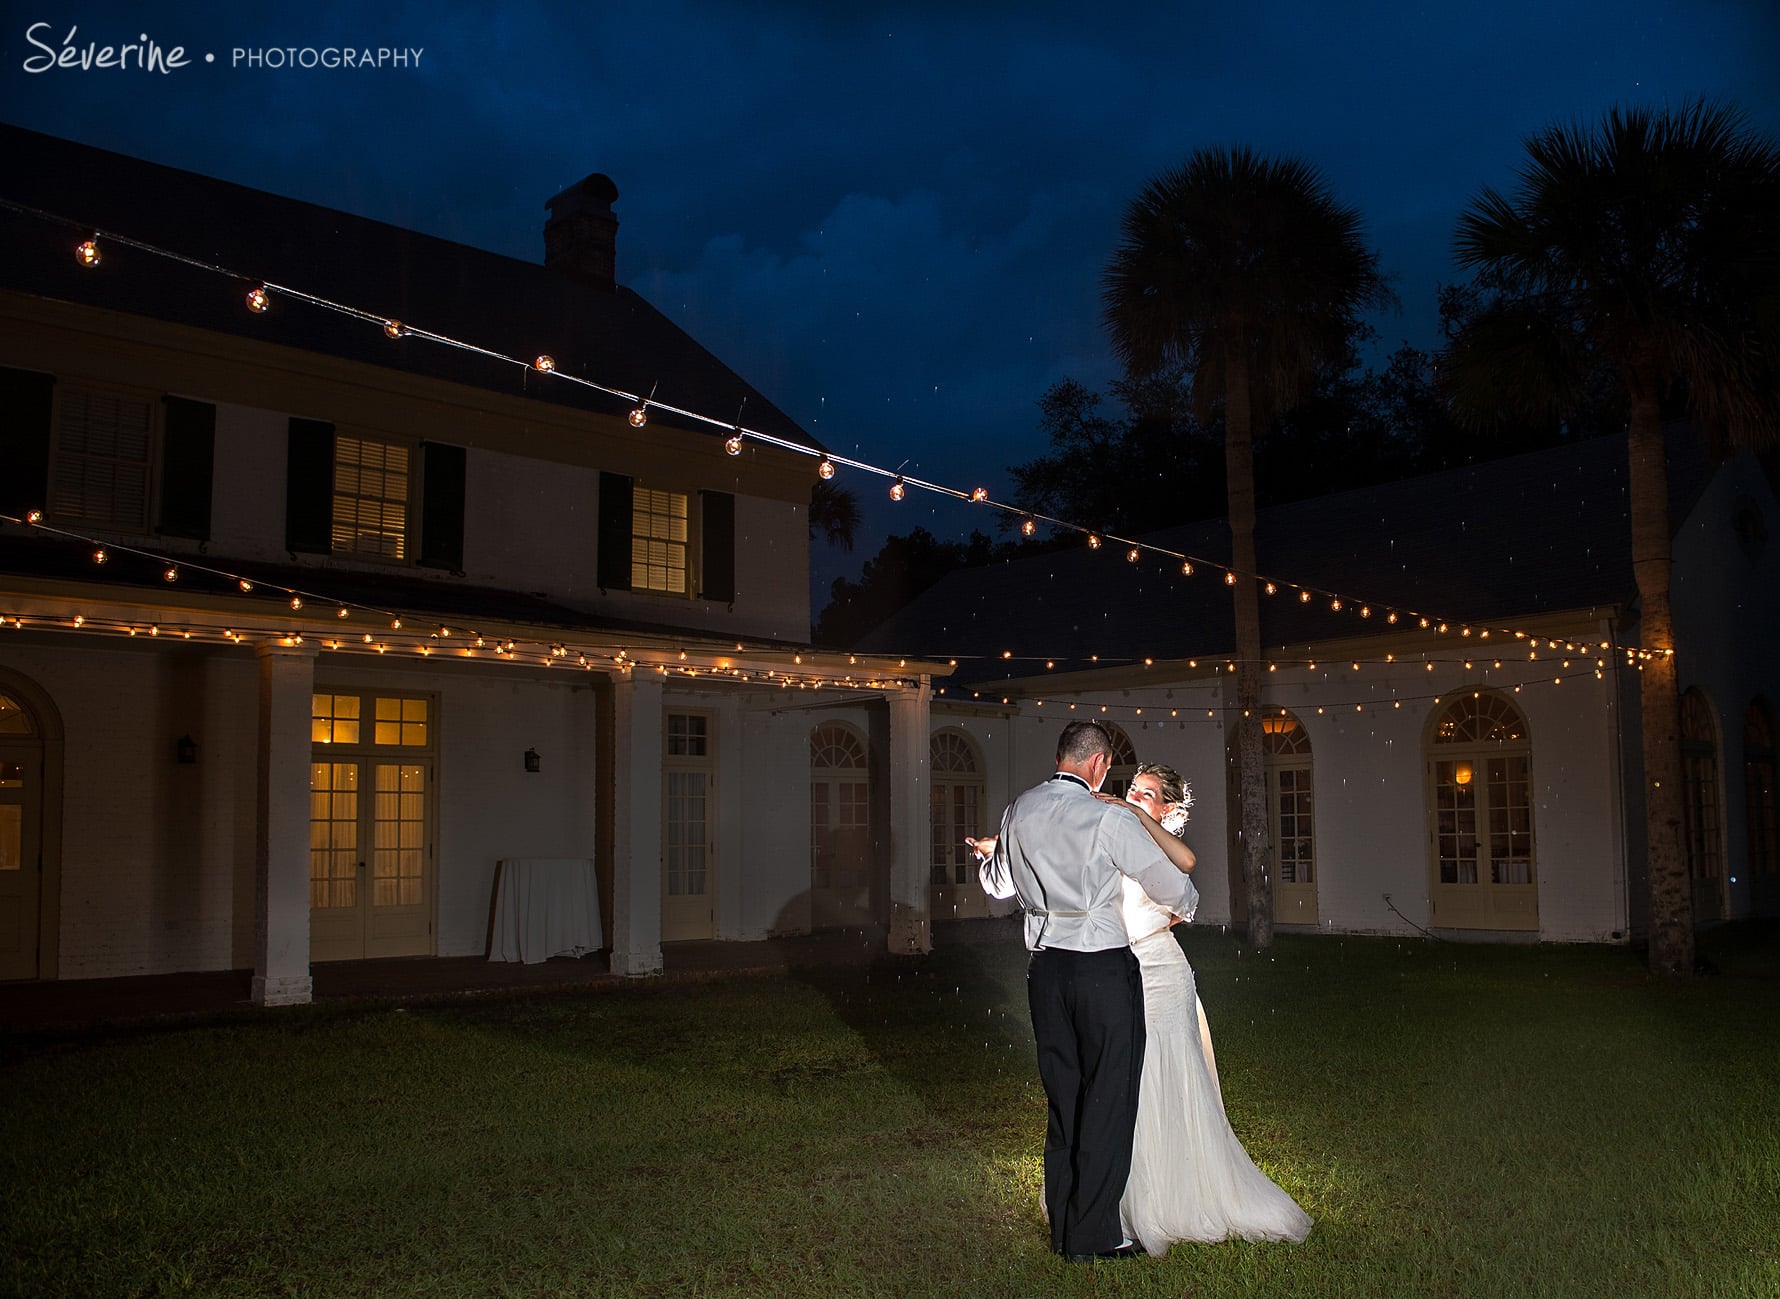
281,842
911,821
636,824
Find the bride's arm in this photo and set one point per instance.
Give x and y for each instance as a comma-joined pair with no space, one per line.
1177,852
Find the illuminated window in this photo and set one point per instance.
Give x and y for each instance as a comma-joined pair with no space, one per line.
1483,808
658,541
334,719
99,465
401,721
370,498
1287,760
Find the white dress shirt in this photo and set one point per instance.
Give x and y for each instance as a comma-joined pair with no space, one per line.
1065,855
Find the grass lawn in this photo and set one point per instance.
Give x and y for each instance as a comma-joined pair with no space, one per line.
1460,1120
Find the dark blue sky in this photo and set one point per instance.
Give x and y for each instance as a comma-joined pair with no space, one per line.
892,220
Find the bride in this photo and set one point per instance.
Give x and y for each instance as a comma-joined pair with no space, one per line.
1190,1177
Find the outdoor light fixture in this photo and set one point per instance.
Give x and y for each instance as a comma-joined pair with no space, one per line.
187,749
897,490
640,416
733,444
532,760
544,364
258,299
1027,526
88,252
394,328
826,468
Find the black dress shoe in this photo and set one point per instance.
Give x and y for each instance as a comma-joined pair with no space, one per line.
1130,1250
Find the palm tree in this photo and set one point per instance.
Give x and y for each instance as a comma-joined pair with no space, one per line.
834,514
1647,245
1249,274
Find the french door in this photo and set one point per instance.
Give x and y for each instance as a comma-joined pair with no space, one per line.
371,817
21,866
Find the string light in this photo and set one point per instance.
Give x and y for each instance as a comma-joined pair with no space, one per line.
979,494
897,490
1028,526
733,444
394,328
826,468
640,416
88,252
258,299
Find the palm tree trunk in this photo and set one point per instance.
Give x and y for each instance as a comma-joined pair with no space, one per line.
1239,479
1671,902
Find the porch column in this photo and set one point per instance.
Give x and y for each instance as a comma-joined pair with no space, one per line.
281,833
911,821
636,824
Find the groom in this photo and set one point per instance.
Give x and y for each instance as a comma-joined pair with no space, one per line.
1062,852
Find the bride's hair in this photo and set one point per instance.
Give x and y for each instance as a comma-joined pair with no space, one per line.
1175,792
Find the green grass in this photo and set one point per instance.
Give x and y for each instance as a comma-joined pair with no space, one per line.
1460,1120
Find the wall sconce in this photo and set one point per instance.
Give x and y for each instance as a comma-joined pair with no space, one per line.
531,760
187,749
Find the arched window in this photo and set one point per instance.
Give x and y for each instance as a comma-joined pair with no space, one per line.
1480,804
1286,750
1758,789
1124,761
840,818
1701,829
955,791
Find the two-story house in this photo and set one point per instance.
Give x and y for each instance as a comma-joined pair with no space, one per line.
340,564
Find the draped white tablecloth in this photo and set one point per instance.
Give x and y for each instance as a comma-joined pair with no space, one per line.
544,907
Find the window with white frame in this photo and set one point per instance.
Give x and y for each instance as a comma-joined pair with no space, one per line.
371,497
101,458
1483,810
955,791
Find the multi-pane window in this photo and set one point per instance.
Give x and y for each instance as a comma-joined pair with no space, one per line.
370,498
333,834
839,807
1483,811
1758,789
1287,758
658,547
956,801
1699,789
333,719
688,839
100,465
400,721
687,735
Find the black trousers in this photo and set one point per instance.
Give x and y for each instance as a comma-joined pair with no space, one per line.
1087,1018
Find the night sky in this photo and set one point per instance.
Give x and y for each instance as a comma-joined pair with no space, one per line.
891,220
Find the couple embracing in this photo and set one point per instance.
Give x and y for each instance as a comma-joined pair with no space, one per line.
1138,1151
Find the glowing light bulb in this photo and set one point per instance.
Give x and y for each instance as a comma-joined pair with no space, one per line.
99,555
35,516
1186,568
88,252
733,444
897,490
258,299
172,574
1093,541
640,416
1028,526
826,468
979,494
1132,554
296,602
394,328
341,612
1229,578
544,364
1271,589
245,586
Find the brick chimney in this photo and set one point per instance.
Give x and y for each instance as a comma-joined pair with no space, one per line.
581,234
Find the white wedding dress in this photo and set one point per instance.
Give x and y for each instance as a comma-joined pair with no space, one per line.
1190,1177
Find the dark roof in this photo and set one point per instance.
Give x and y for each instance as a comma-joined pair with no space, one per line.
1505,539
516,308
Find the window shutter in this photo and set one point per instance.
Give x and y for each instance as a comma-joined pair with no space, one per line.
188,461
442,506
309,487
717,574
26,401
614,543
